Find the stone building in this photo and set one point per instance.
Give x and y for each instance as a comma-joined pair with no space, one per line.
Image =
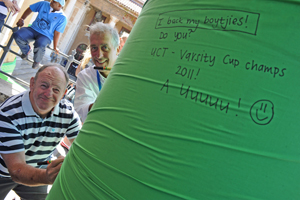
121,14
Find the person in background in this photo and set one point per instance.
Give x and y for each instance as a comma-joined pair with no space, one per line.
122,41
5,6
104,47
32,125
87,58
49,24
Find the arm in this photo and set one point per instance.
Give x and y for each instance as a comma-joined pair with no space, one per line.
27,175
60,27
78,70
55,40
27,12
71,141
73,130
67,142
90,106
13,6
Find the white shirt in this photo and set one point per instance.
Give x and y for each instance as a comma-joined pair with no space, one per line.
87,90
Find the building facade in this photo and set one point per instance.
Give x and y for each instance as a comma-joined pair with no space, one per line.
121,14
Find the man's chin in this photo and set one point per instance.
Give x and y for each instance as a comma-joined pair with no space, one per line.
43,111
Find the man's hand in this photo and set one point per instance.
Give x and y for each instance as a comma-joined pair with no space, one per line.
55,41
25,174
20,23
17,8
56,50
53,169
13,6
27,12
90,107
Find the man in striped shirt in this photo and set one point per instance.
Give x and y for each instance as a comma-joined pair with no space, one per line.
31,126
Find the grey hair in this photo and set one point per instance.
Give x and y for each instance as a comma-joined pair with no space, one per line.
53,65
101,28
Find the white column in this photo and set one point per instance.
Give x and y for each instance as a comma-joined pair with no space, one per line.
73,29
11,21
113,20
69,8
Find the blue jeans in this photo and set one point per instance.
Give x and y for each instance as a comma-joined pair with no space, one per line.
26,35
1,23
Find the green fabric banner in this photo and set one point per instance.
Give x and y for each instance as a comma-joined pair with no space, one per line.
202,103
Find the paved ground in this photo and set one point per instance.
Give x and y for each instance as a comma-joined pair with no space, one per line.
13,196
23,71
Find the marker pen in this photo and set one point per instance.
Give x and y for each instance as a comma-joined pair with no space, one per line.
103,68
44,162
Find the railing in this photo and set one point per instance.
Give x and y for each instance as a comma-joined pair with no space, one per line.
7,49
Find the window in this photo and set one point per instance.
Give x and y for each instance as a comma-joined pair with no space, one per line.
124,32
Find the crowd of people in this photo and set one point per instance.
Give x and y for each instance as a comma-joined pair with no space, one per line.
36,122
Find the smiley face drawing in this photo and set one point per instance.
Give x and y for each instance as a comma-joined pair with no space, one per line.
262,112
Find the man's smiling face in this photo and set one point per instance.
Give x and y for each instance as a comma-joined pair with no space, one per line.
104,54
47,90
55,5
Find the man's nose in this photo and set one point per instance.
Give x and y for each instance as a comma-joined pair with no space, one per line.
48,92
100,54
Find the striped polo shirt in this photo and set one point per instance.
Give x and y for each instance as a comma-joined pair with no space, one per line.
21,129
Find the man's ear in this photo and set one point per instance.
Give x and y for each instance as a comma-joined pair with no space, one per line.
119,48
31,83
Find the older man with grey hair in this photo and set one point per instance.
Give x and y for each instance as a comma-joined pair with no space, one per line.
104,47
